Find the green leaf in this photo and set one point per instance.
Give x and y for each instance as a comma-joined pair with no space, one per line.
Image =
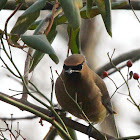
1,34
53,32
94,11
2,3
71,10
89,7
104,7
21,1
28,17
117,5
34,25
61,20
37,56
40,43
74,40
37,30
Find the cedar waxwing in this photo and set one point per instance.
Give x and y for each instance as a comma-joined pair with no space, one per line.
84,86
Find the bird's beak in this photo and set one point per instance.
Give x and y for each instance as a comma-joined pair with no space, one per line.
69,71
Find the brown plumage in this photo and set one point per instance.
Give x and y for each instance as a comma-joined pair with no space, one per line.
84,85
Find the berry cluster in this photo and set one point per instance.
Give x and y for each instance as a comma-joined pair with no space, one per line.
129,64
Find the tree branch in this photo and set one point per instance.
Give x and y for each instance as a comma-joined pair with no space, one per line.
20,118
12,4
26,72
46,115
25,105
133,55
40,112
51,134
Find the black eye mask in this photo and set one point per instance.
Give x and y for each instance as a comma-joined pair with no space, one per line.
76,68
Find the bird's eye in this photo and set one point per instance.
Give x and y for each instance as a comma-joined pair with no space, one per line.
65,67
78,67
75,68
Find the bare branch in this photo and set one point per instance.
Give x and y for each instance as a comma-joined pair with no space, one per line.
133,55
26,72
51,134
20,118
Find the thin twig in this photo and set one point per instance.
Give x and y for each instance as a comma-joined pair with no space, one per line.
133,10
26,73
12,134
52,18
9,68
5,29
18,133
133,55
52,82
20,118
50,107
117,89
113,82
24,105
129,93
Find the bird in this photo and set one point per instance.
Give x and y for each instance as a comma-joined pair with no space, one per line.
78,84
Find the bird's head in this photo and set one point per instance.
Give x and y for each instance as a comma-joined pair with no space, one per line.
74,64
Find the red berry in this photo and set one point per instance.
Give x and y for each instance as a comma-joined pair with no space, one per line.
129,63
41,122
105,74
135,76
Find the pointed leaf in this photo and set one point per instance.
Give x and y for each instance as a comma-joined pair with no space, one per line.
28,17
71,11
53,32
89,7
104,7
74,40
37,56
94,11
61,20
37,30
2,3
40,43
34,25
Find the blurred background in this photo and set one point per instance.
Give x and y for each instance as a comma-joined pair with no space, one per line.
96,43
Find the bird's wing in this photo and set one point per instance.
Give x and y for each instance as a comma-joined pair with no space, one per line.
107,103
105,95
